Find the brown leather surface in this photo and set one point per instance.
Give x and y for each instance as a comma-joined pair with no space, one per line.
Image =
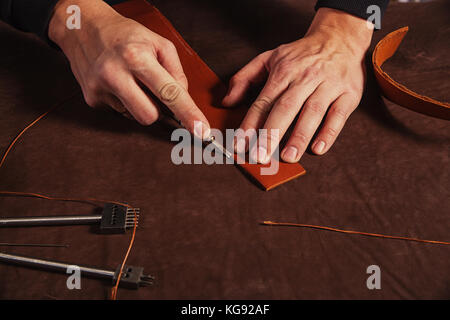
199,231
396,92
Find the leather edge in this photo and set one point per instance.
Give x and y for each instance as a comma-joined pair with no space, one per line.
397,92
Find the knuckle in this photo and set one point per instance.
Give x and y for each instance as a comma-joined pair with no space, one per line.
235,79
170,92
269,138
91,86
331,132
311,73
286,104
106,72
276,54
278,81
181,77
315,107
340,113
283,69
148,119
280,51
90,99
262,105
192,115
131,53
356,88
264,55
299,139
268,134
168,45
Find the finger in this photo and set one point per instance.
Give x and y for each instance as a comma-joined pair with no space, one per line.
334,122
114,103
128,94
309,120
169,59
117,105
259,110
174,96
284,112
254,72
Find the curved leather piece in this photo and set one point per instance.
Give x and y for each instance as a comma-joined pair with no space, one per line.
395,91
205,88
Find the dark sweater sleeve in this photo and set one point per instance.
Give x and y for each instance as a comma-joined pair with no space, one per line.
355,7
28,15
31,15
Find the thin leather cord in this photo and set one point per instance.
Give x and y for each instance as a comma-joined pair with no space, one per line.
285,224
21,133
41,196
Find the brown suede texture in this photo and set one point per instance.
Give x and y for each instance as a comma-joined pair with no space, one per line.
199,231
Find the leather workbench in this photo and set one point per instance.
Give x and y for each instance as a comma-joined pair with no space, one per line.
199,231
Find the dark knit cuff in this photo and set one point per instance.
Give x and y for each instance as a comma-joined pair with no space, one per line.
357,8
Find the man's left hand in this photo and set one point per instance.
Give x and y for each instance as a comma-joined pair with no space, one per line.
320,74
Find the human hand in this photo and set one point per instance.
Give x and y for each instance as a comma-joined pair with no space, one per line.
324,71
115,60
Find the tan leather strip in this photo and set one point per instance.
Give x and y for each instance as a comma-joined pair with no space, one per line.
395,91
205,88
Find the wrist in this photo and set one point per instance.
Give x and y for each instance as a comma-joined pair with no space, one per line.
354,32
91,13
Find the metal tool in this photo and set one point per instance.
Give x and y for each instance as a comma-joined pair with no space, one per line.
43,245
132,277
218,146
210,140
114,219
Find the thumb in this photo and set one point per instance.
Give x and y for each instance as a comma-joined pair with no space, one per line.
254,72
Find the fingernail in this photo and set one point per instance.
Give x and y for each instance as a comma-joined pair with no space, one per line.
259,154
239,145
202,131
319,147
290,153
227,94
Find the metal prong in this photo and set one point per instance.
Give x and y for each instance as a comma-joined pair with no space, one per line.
146,280
133,210
219,147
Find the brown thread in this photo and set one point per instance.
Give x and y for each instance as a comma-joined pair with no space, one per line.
311,226
41,196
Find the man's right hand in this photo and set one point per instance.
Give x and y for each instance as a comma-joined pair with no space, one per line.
113,58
